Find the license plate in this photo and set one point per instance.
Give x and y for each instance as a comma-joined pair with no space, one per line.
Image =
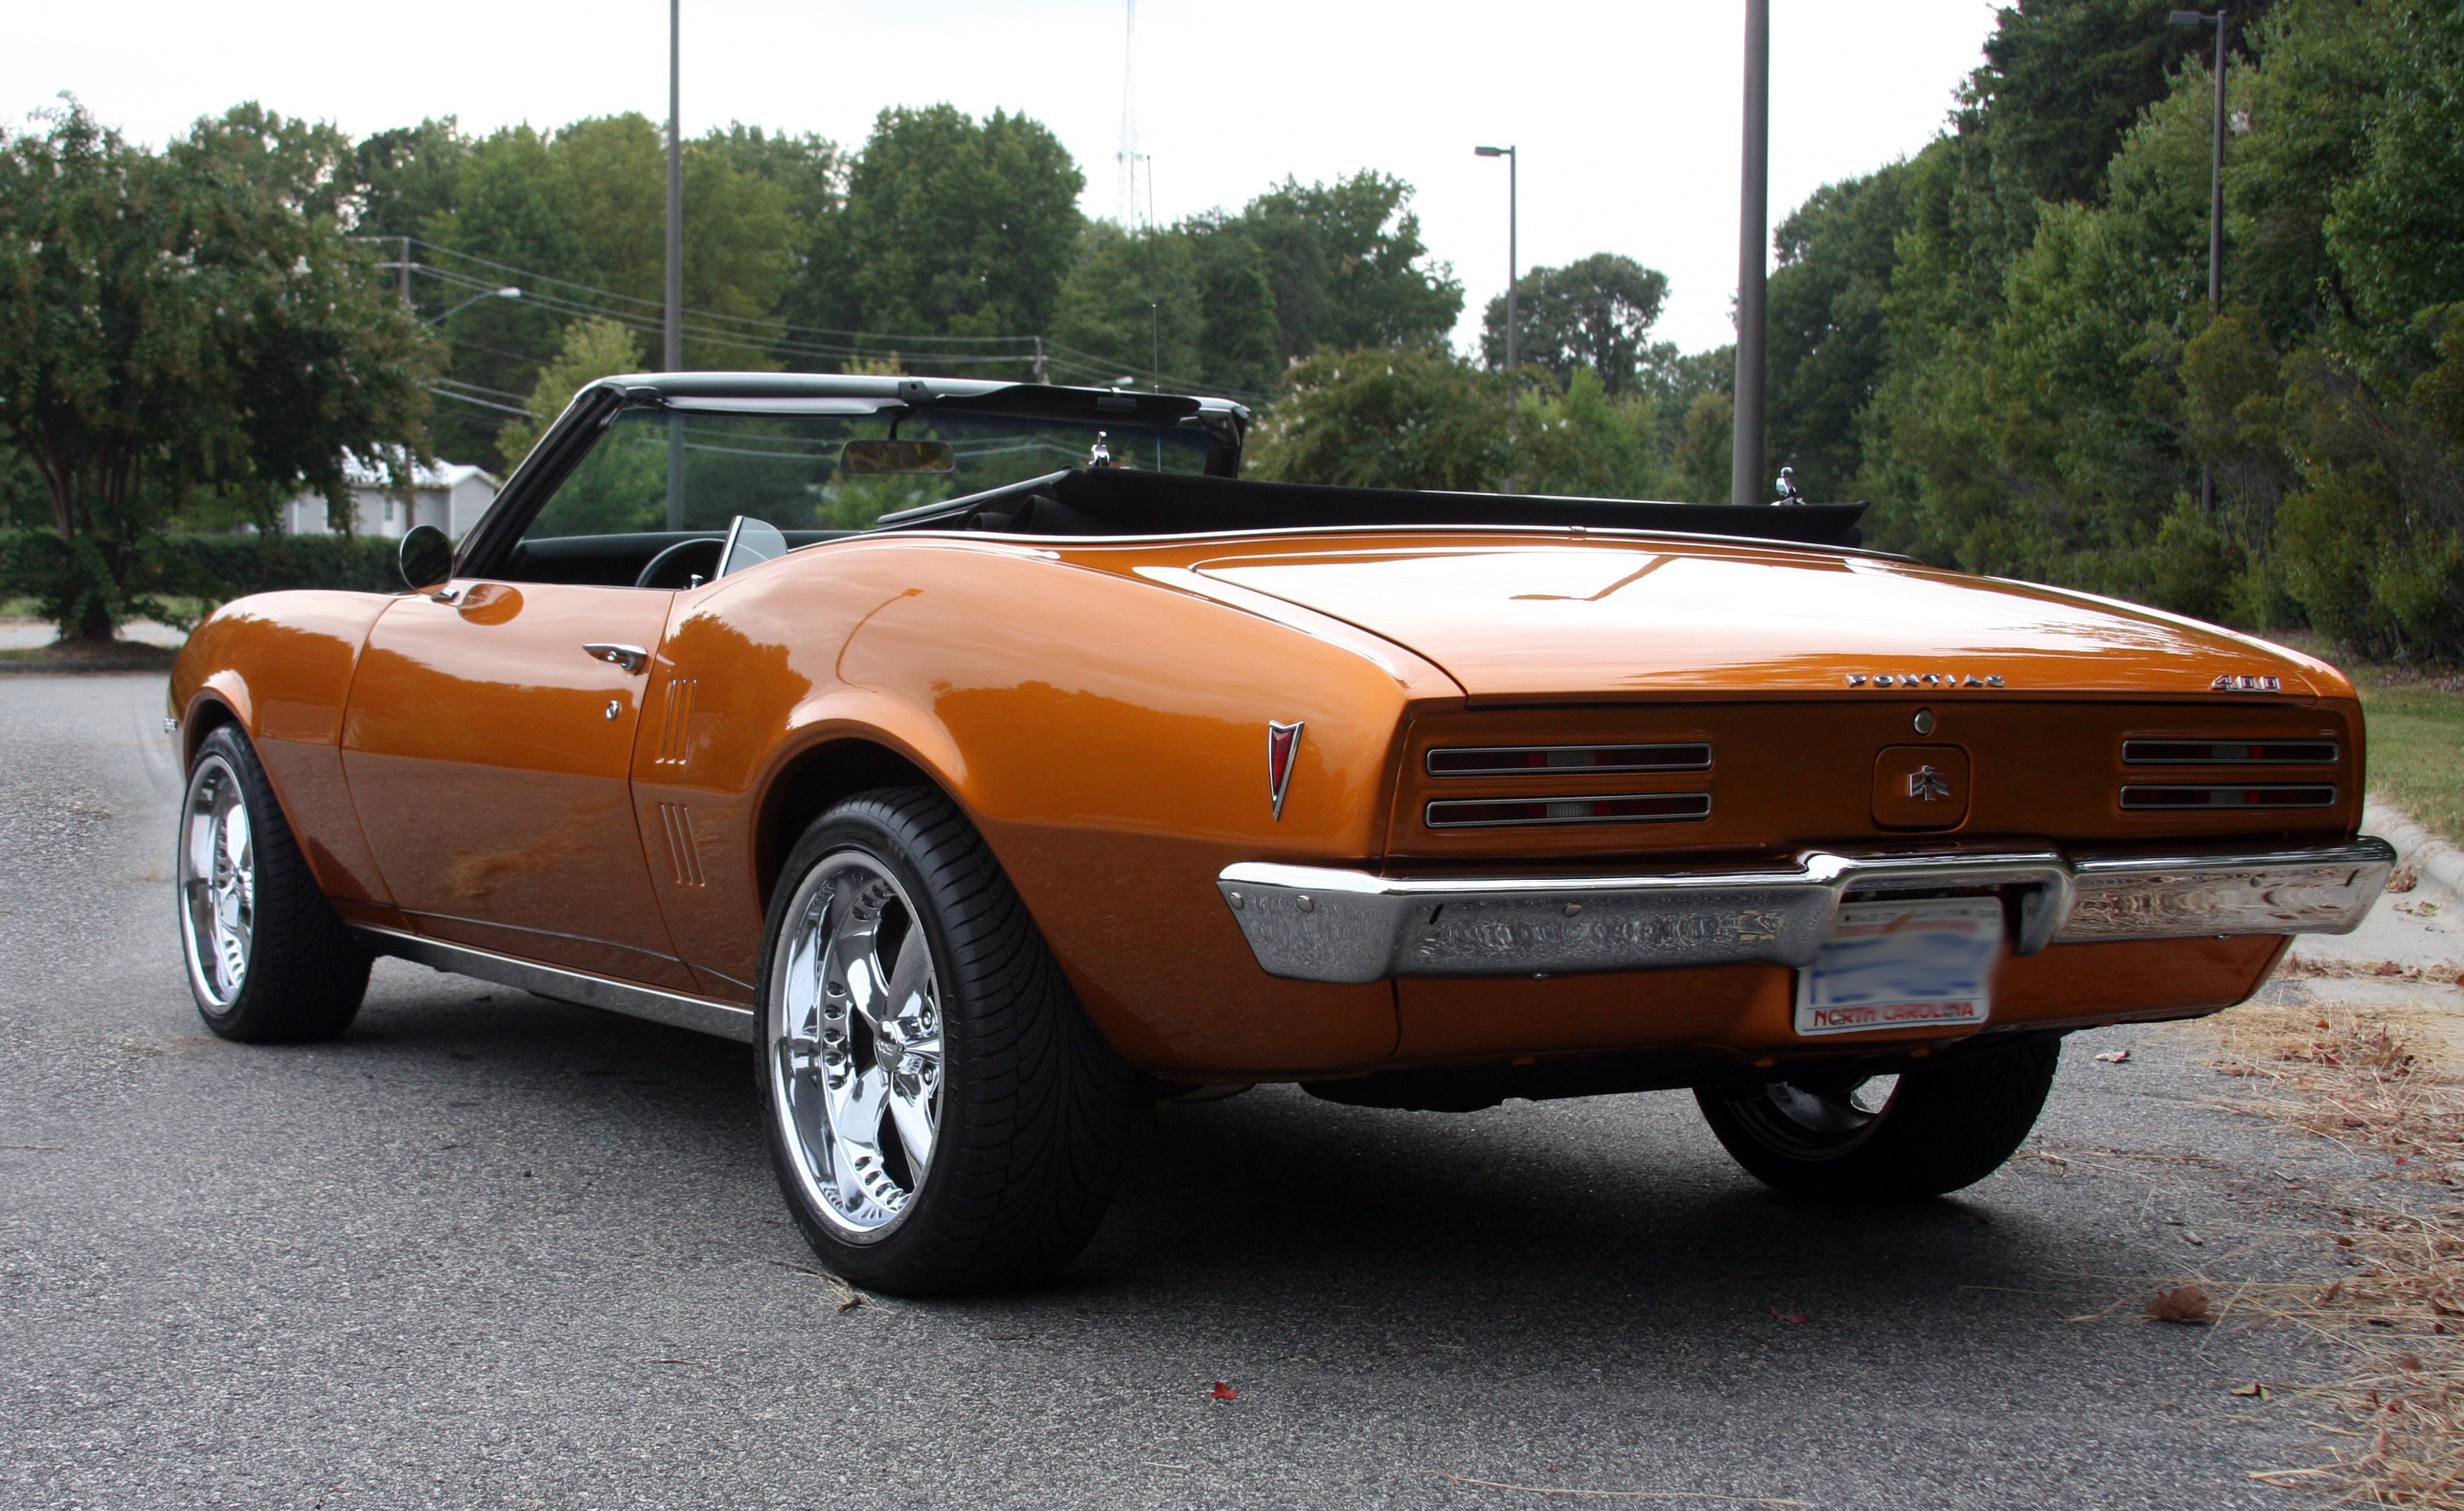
1902,966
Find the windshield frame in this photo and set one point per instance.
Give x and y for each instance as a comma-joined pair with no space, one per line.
488,551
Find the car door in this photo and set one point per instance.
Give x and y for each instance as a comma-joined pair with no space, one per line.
488,746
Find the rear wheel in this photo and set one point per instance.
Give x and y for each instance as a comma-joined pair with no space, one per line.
268,960
1891,1138
942,1116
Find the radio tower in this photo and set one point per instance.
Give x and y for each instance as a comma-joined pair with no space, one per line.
1129,161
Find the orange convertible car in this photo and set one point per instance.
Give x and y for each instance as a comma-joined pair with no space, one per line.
996,763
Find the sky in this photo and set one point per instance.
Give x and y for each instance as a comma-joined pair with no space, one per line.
1626,112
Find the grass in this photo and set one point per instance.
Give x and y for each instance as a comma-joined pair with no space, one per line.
2416,733
2416,742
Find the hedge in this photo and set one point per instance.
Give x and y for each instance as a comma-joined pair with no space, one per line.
178,570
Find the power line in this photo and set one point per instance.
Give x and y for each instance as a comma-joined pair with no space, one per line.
779,338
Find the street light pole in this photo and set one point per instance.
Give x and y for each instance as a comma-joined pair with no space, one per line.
1513,277
1753,209
1513,258
2215,205
674,353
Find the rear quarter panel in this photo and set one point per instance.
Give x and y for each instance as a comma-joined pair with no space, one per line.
1107,733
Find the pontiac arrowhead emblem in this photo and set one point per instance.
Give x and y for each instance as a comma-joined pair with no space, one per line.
1282,742
1927,783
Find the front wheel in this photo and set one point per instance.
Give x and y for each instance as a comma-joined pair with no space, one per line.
268,960
1850,1137
941,1114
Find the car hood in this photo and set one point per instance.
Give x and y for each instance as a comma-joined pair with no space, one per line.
1524,621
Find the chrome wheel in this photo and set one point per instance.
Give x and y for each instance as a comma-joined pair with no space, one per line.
855,1043
217,881
1820,1118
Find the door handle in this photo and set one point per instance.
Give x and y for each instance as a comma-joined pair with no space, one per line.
631,657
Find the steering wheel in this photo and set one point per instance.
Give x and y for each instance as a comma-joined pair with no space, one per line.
675,567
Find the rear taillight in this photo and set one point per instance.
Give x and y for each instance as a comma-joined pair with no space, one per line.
2147,797
2228,752
1500,812
1567,760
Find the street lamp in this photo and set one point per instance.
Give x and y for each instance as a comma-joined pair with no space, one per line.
1513,265
489,294
2216,204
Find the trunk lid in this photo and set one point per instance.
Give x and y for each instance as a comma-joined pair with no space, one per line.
1524,621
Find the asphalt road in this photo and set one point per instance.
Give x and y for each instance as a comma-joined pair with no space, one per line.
490,1249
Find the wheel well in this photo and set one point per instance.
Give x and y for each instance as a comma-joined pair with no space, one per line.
210,715
818,778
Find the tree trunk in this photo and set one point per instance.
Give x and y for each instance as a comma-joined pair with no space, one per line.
93,627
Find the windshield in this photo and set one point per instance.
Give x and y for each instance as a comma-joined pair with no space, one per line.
785,469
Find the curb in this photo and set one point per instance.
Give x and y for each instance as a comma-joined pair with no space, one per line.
83,666
2417,847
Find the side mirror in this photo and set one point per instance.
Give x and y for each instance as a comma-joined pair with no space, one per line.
426,557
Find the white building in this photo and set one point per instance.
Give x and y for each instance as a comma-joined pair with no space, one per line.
450,495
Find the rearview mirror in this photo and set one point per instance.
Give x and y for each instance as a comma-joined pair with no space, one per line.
426,558
858,458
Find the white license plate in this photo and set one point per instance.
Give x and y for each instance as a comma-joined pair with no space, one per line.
1902,966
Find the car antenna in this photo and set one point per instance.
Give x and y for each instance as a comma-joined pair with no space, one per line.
1099,455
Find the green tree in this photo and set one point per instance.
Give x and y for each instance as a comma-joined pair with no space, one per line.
589,204
1236,332
1130,291
952,227
1407,417
406,177
591,350
171,326
1348,267
1705,445
1587,442
2063,81
1597,313
1838,252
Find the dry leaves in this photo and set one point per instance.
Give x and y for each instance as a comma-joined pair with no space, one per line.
2183,1303
2358,1077
2115,1056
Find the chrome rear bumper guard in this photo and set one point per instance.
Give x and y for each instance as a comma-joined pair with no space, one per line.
1315,923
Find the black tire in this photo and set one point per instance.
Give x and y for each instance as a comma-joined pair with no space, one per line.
297,975
1033,1111
1943,1126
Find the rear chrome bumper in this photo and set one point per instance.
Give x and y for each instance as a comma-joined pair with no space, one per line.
1314,924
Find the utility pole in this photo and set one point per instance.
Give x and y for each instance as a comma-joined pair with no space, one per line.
1754,207
405,265
675,332
2215,205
